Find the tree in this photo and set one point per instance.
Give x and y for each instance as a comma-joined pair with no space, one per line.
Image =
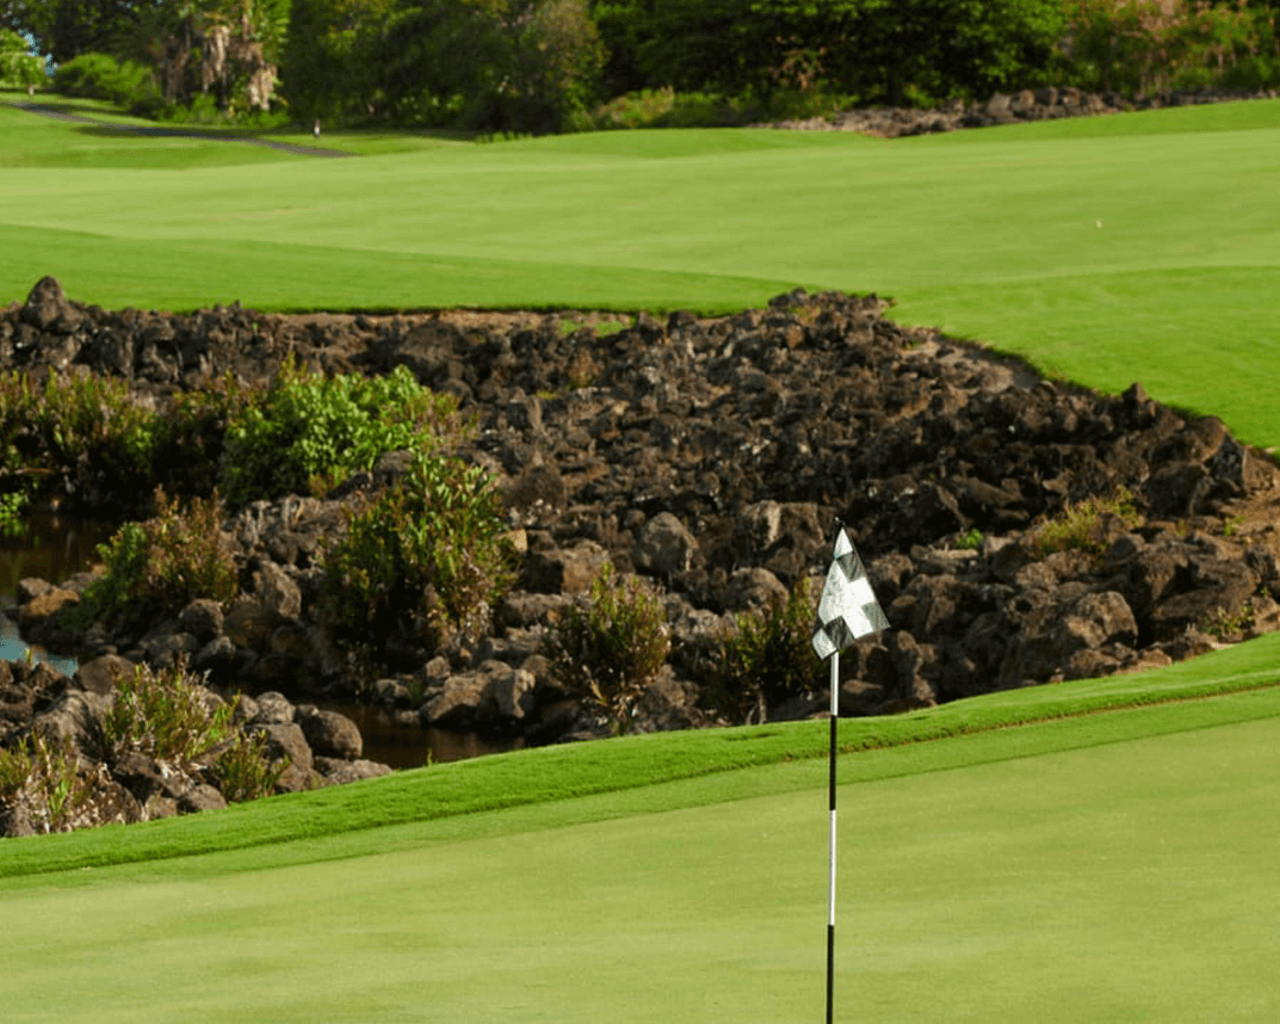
18,67
491,64
331,62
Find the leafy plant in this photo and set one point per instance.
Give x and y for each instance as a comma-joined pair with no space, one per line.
1222,625
244,771
307,425
970,541
610,645
1082,526
431,548
166,715
767,657
89,425
12,505
158,566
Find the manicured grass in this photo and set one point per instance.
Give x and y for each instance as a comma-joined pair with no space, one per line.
992,234
1113,866
31,141
1127,876
547,775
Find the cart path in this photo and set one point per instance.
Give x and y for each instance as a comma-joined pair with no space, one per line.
148,131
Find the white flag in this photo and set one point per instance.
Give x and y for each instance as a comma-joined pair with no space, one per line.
848,608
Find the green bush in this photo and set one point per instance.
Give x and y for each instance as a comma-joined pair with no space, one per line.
166,715
428,555
83,424
308,429
766,658
156,567
245,771
18,68
666,108
610,645
101,76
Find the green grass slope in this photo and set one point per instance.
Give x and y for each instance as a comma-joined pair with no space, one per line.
991,234
1125,876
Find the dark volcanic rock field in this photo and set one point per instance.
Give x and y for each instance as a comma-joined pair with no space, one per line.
714,456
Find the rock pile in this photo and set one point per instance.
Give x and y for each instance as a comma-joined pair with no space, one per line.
314,748
1044,104
713,456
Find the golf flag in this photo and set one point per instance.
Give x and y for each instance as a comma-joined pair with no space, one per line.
848,608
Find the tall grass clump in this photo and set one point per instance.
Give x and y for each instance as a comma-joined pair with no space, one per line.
610,644
44,775
766,658
80,425
308,431
166,715
427,556
154,568
1087,525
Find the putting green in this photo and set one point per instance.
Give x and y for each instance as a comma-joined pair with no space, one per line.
1131,881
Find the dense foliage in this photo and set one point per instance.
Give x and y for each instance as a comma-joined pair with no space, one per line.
611,644
427,557
766,658
308,428
154,568
18,67
545,65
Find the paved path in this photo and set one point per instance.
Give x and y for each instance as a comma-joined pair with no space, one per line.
157,132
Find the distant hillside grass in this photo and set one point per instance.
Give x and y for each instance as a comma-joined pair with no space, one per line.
992,234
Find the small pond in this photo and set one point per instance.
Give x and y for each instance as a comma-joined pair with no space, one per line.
58,546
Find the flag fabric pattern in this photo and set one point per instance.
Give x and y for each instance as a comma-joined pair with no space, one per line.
848,608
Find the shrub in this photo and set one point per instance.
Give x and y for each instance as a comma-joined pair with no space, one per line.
166,715
46,775
666,108
307,428
156,567
431,549
1222,625
91,426
101,76
245,771
609,646
1084,525
12,505
18,68
767,658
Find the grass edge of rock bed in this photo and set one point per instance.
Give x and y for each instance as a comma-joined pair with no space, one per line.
546,775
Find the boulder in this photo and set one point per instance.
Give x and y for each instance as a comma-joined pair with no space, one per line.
665,546
287,740
330,734
48,309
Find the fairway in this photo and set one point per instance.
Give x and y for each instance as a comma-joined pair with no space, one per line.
991,234
1128,881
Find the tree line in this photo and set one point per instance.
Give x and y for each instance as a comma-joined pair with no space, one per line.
546,65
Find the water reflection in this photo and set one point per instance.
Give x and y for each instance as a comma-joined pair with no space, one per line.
53,548
56,547
14,648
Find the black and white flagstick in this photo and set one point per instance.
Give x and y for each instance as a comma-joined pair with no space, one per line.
848,609
831,789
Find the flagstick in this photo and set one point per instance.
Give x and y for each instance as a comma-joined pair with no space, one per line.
831,892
